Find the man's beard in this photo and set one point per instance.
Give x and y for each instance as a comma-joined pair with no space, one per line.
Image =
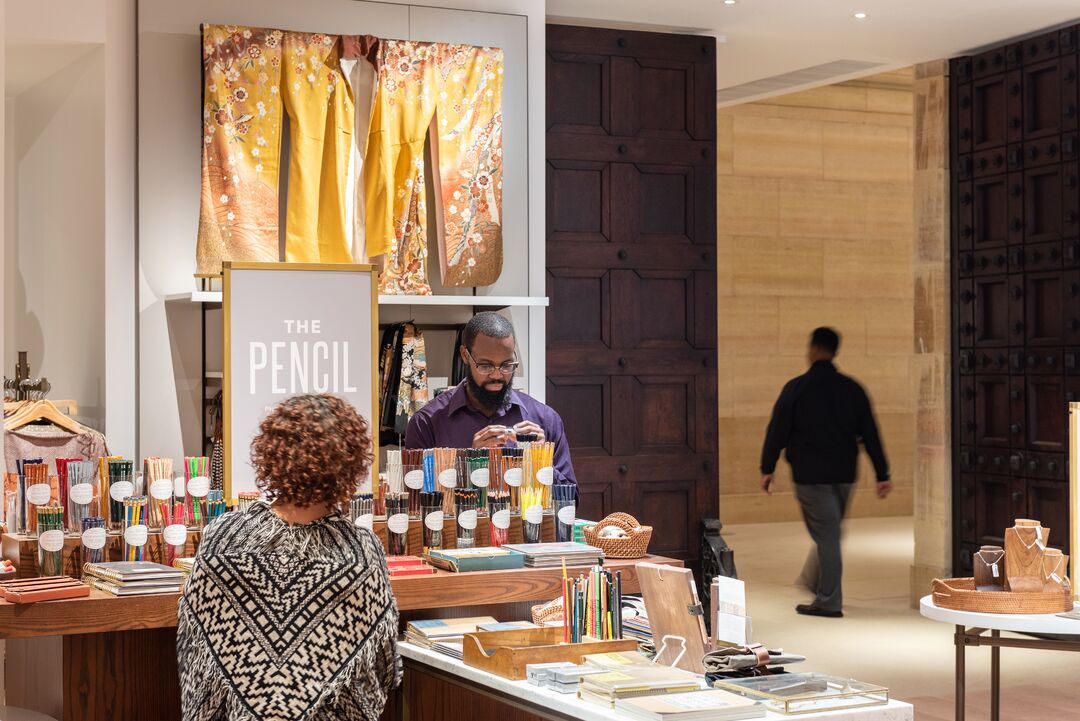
491,399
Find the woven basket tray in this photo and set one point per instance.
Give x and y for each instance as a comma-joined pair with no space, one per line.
959,594
634,545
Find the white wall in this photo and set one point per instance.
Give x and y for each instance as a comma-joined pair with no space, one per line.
54,232
169,129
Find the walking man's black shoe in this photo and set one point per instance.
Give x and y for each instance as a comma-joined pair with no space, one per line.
807,609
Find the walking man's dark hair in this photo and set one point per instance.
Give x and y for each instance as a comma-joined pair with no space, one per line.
486,323
826,339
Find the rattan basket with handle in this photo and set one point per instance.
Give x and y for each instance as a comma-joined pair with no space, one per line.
959,594
550,611
634,545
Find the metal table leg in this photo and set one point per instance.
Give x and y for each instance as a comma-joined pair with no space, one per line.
959,640
995,679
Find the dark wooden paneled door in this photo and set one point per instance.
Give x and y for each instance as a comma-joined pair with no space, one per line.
631,273
1016,228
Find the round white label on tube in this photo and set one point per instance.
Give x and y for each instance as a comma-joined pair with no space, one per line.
513,477
480,477
546,475
448,477
414,480
501,519
120,490
533,514
94,538
434,520
365,520
198,486
81,494
135,535
39,494
566,515
175,535
161,489
51,540
467,520
398,523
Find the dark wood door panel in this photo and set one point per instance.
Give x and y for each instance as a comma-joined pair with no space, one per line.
992,418
1048,501
579,308
579,201
583,83
1046,413
991,211
631,256
991,311
1042,99
584,402
989,97
1043,204
1044,309
999,500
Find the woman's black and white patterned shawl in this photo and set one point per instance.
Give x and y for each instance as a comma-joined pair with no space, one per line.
284,621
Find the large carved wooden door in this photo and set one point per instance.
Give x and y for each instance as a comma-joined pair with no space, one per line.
631,267
1016,231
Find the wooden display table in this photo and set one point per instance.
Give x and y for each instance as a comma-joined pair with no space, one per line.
116,656
439,688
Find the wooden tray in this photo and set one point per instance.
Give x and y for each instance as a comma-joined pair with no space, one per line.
959,594
507,653
49,588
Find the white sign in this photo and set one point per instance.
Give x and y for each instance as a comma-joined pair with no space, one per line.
501,519
51,540
566,515
120,490
398,523
198,486
135,535
161,489
467,520
292,329
513,477
414,480
175,535
480,477
533,514
81,494
94,538
39,493
546,475
365,520
434,520
448,477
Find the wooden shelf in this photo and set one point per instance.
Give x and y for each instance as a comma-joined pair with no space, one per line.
477,301
101,612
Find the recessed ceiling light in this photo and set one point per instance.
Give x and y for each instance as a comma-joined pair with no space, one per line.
860,16
730,2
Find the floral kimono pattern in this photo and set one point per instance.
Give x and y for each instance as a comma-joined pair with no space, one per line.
250,75
453,93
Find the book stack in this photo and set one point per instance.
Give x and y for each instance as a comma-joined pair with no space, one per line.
185,565
443,631
482,558
708,705
548,555
133,578
408,566
634,680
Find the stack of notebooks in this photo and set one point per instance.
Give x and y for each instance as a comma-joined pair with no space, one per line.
185,565
548,555
133,578
661,693
482,558
444,632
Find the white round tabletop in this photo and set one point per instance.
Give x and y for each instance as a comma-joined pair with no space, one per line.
1018,622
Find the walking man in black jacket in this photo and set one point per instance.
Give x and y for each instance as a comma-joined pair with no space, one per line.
820,418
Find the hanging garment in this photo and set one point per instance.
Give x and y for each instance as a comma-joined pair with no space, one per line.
358,65
413,390
49,442
454,94
249,75
389,374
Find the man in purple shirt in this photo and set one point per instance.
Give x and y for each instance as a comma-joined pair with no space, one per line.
484,410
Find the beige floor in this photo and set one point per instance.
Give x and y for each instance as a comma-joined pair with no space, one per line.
880,638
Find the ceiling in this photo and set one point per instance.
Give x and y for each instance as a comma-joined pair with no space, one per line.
765,38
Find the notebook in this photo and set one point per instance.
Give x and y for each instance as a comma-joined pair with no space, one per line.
708,705
124,571
127,589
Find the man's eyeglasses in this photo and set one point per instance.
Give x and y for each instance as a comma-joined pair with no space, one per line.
507,368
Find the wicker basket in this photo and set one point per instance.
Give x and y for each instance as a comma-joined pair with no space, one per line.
959,594
550,611
634,545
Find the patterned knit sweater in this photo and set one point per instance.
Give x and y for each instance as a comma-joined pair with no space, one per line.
287,622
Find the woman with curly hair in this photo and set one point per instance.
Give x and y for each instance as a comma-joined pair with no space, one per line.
288,613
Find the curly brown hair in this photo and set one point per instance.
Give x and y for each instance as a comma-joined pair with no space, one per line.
312,449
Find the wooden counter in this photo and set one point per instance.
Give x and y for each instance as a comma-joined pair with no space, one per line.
99,645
